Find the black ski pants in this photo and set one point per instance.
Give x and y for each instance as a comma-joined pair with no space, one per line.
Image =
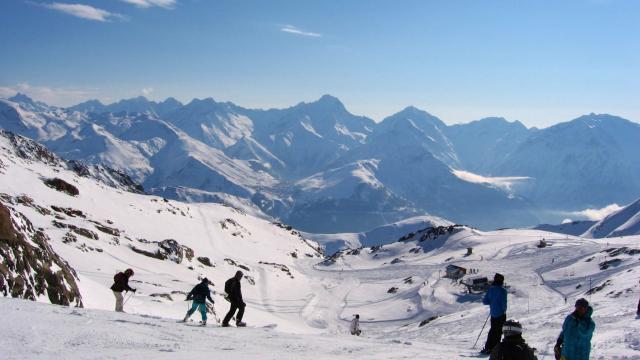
495,333
234,306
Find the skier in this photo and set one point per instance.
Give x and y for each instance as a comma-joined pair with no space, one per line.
574,341
199,294
355,325
234,296
120,284
513,346
496,298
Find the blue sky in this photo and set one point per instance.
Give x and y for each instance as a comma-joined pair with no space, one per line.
540,62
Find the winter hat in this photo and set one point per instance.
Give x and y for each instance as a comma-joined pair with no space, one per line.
498,279
582,302
511,327
205,280
128,272
239,274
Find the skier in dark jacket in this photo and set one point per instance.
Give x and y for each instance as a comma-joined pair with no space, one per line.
574,342
234,295
199,294
120,284
513,346
496,298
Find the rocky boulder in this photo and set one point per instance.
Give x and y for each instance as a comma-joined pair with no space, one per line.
63,186
29,268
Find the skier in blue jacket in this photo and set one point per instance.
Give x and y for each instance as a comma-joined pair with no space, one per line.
574,342
496,298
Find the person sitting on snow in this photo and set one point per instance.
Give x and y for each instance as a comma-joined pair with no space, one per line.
199,294
355,325
513,346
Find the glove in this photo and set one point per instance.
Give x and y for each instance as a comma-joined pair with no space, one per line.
134,290
557,350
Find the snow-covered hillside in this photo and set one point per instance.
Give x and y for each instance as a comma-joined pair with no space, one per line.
378,236
623,222
575,228
99,230
300,302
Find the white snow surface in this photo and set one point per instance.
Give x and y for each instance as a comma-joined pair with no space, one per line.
304,315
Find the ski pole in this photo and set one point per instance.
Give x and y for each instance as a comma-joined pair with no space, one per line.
481,330
215,316
127,299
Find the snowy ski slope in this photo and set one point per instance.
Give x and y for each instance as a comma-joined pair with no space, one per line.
300,305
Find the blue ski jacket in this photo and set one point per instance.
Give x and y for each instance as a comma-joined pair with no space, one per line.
496,298
576,336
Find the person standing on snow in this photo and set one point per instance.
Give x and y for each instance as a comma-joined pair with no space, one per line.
120,284
234,295
574,342
513,346
199,294
496,298
355,325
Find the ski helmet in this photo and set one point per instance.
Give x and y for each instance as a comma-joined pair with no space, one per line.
511,327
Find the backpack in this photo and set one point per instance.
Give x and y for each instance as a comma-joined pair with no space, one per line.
227,286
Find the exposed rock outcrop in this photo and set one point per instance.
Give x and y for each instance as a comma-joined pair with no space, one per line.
29,268
166,250
62,186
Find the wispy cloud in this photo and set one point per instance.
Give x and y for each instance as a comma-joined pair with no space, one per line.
294,30
505,183
147,91
596,214
84,11
167,4
49,95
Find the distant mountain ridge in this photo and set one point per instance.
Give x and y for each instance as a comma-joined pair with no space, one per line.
319,167
623,222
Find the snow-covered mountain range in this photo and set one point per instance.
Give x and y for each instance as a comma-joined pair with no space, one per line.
323,169
623,222
64,233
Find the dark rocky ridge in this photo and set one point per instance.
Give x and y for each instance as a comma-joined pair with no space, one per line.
29,267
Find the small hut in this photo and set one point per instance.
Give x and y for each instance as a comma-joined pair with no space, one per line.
455,272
